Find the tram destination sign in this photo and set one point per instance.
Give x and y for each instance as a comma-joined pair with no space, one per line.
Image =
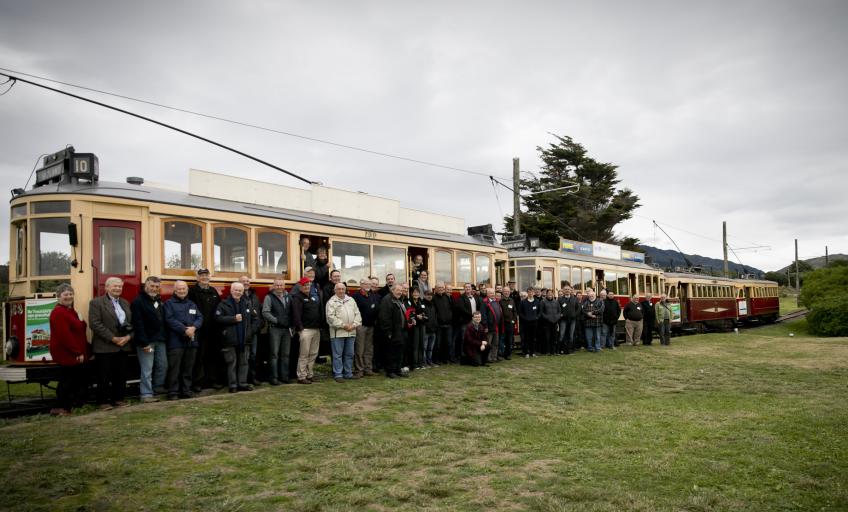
514,241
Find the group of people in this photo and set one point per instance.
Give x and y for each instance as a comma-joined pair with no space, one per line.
198,339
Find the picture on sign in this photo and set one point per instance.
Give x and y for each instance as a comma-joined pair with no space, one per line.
38,329
674,307
743,307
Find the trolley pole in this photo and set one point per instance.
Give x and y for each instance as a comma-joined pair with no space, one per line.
724,246
516,198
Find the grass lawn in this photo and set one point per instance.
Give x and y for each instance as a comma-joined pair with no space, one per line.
789,304
755,421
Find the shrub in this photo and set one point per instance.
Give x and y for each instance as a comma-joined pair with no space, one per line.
824,284
829,317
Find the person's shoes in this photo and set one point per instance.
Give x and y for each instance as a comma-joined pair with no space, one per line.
392,376
196,389
173,396
149,399
526,356
120,403
434,365
404,375
369,373
58,411
354,377
507,358
218,387
105,407
249,387
310,379
534,355
160,391
286,381
233,390
304,381
274,382
188,394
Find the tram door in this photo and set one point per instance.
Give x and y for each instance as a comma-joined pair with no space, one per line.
117,253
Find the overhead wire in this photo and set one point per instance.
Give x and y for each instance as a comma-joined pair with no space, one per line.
258,127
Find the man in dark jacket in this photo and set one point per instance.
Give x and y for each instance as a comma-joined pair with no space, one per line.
570,309
387,289
367,302
391,320
208,367
277,312
494,321
612,310
442,305
510,315
648,322
633,320
307,319
550,318
183,318
256,310
148,320
233,316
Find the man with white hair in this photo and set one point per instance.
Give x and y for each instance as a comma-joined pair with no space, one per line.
110,320
234,316
342,318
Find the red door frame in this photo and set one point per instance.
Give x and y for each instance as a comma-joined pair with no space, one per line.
132,282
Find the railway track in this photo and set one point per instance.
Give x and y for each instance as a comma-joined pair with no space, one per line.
793,315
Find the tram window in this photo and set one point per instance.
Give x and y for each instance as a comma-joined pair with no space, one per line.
117,250
463,268
444,267
564,275
576,278
19,211
51,207
352,260
526,277
656,281
587,278
642,288
611,278
272,253
230,249
623,285
183,245
20,248
390,260
484,273
548,278
51,247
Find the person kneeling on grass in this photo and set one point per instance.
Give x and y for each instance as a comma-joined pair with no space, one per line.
476,342
343,318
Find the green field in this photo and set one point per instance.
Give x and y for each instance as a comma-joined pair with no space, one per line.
755,421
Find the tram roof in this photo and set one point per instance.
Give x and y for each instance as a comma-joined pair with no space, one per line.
163,196
550,253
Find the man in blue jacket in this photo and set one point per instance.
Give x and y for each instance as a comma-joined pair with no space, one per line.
183,318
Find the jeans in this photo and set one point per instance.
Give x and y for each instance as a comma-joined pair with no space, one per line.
279,352
593,338
566,336
154,368
180,366
429,343
608,335
342,356
664,328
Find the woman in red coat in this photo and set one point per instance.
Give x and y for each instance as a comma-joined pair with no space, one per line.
70,349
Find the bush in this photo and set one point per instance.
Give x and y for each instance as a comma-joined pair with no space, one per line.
829,317
825,293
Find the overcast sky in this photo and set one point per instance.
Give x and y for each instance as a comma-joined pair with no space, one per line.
714,111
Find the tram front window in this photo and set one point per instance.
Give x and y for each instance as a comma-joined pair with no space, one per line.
51,247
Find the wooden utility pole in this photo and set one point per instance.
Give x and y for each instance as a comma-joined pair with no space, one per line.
825,256
724,246
797,272
516,198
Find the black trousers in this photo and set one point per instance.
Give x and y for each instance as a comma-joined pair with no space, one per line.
73,386
528,336
548,337
111,376
647,331
208,367
508,339
394,351
443,343
180,367
479,358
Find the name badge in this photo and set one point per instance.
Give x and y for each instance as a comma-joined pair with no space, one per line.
423,306
192,311
534,308
372,306
156,305
510,306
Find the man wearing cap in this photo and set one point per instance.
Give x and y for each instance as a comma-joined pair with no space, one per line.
306,316
207,371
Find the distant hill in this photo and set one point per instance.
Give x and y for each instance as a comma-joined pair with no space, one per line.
815,262
670,259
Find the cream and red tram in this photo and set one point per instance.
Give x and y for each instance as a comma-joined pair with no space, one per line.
84,231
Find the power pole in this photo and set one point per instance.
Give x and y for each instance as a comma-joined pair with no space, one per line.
516,198
797,272
724,245
825,256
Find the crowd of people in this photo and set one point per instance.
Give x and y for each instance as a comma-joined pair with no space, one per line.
200,339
